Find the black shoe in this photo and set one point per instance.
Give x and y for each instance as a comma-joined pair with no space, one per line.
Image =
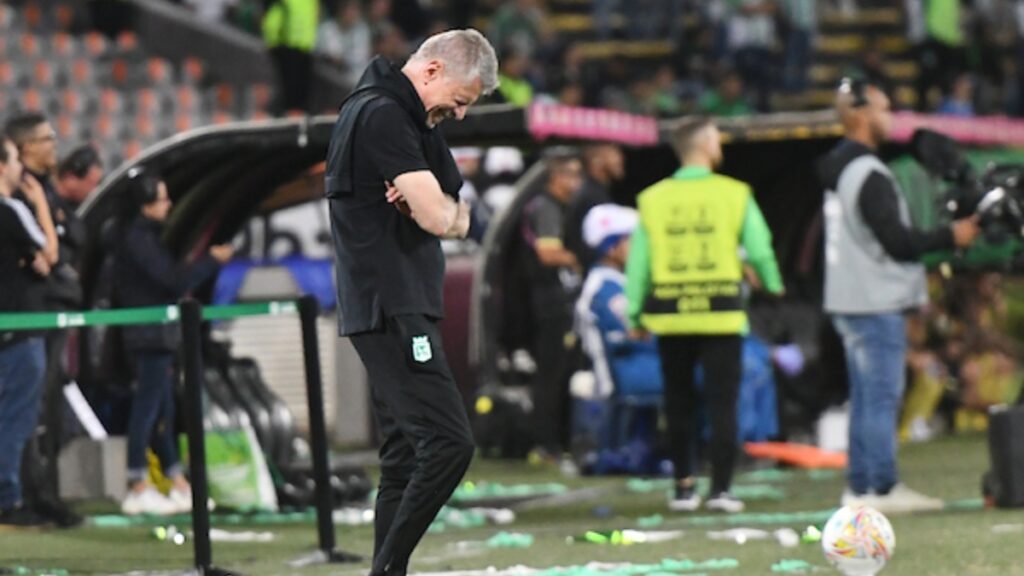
59,513
21,517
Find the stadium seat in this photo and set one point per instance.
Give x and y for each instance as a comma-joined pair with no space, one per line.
43,76
186,100
75,102
106,128
67,128
96,44
111,102
83,73
159,72
147,101
127,43
256,97
32,13
10,75
31,100
144,128
224,97
63,46
29,47
63,16
131,148
220,117
192,71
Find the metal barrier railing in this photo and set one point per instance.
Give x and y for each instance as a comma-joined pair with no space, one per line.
191,314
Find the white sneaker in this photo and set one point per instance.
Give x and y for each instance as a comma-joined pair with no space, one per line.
684,500
149,501
851,499
182,500
903,499
725,502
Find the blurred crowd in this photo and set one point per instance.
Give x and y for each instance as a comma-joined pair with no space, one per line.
724,57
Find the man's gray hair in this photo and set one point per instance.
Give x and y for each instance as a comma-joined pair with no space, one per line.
467,56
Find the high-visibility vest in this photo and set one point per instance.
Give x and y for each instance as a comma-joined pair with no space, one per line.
693,222
292,24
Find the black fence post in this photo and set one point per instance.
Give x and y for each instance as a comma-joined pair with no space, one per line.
191,325
309,309
191,331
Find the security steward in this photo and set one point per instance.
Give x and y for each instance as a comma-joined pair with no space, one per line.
684,277
393,190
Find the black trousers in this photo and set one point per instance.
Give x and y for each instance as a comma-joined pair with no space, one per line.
295,75
426,441
722,360
550,393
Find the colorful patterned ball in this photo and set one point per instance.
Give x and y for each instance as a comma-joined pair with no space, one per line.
858,540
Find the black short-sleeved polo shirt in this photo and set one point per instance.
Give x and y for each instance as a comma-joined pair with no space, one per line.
386,264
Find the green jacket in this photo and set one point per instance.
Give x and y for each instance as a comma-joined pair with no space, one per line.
292,24
684,269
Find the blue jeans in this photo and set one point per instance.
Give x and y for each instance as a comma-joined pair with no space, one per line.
152,419
22,369
876,349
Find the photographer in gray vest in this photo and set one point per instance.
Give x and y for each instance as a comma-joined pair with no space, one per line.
873,277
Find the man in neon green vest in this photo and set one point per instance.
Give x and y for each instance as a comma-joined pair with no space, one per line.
289,30
684,285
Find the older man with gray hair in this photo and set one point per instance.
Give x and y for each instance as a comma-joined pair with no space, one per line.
393,189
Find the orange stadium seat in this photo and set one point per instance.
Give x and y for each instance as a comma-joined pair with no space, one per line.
192,70
147,102
67,128
63,46
96,44
31,100
9,74
159,72
33,15
224,96
221,117
119,71
131,149
43,75
127,42
72,102
186,100
29,46
111,101
83,73
63,16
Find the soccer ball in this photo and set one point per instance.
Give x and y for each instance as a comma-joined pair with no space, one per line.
858,540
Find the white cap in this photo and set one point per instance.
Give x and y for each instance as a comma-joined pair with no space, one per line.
607,220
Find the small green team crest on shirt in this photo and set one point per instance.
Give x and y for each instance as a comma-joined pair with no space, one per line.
421,351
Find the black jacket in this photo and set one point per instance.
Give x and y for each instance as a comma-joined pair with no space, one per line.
590,194
879,206
386,264
63,286
147,274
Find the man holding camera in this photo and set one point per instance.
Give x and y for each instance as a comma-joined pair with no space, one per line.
872,278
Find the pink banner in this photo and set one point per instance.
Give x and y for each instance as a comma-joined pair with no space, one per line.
547,120
986,130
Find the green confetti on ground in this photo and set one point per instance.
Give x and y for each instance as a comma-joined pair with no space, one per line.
792,566
473,492
510,540
650,521
742,491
